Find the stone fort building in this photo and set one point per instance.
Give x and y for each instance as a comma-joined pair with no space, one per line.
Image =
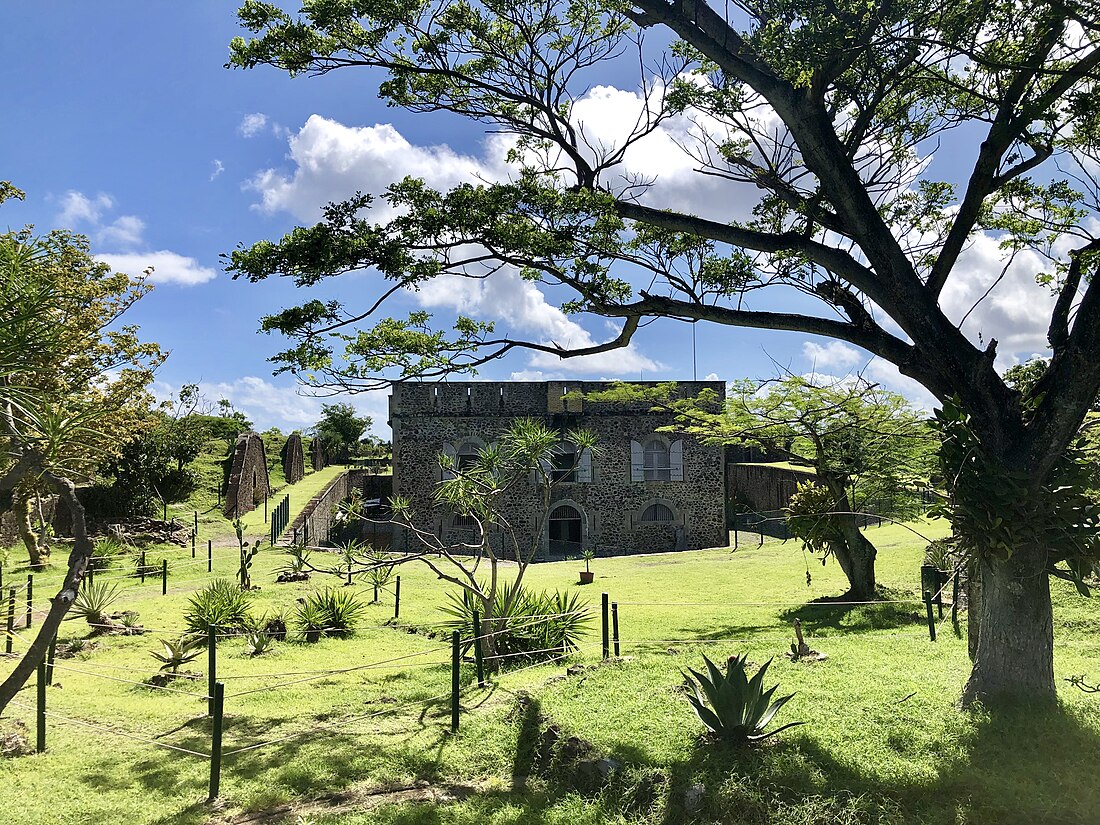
644,491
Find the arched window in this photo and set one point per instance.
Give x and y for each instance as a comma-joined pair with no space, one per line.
467,454
655,460
658,513
566,529
464,520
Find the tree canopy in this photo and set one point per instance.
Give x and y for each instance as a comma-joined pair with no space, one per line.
822,120
340,427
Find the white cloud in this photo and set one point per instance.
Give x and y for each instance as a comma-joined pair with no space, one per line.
252,124
125,230
218,167
833,355
1016,312
505,296
333,161
168,267
711,376
269,405
126,235
80,209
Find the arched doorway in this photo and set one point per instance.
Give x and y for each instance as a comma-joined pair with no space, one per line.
566,529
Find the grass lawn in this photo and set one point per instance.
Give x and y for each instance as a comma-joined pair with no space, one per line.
883,741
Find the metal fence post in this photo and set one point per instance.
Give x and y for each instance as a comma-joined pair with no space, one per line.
478,656
217,704
604,627
455,665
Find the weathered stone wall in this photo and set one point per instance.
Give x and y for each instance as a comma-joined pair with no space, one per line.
426,417
247,484
314,524
317,456
294,460
761,487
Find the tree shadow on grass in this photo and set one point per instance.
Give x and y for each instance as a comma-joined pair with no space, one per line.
1018,766
897,609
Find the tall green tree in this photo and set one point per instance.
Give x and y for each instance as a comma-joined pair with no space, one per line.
870,449
72,380
340,428
831,111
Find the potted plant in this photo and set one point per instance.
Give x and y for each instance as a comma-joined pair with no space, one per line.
587,575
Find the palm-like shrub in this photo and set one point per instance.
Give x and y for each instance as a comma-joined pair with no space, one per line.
104,552
178,652
731,705
537,623
333,611
93,604
221,605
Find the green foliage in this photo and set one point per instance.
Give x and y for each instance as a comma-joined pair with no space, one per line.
380,570
258,642
523,621
333,611
296,559
104,552
340,428
734,707
995,510
93,604
810,517
178,652
221,605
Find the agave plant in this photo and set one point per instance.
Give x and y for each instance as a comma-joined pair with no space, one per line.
310,621
178,652
257,642
93,604
739,707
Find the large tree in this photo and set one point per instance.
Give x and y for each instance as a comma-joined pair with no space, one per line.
71,381
831,110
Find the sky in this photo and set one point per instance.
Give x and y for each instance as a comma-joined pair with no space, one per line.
123,124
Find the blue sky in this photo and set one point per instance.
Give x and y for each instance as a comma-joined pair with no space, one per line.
123,124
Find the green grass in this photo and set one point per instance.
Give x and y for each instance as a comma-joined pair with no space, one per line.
883,743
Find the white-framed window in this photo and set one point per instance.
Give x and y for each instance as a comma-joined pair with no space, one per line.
657,459
567,467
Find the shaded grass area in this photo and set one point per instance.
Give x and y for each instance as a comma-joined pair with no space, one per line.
883,742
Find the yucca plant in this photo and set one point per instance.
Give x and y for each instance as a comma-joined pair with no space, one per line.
104,552
334,611
523,621
93,604
221,605
310,621
178,652
739,707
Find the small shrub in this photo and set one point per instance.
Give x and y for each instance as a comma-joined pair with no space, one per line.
331,612
93,605
177,653
540,624
128,620
274,626
258,642
309,620
380,572
734,707
221,605
104,552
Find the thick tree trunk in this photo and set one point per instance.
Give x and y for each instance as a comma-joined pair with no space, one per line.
856,556
1014,660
